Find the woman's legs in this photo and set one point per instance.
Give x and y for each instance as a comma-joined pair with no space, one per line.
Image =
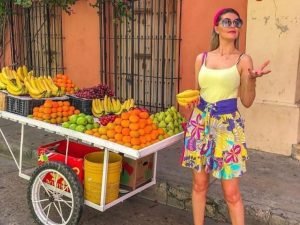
200,186
234,201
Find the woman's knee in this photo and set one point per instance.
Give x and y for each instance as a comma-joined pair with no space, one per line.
232,197
200,187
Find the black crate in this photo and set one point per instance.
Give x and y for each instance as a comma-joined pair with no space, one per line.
22,106
83,105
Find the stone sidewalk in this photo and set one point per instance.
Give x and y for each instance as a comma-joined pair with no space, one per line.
270,188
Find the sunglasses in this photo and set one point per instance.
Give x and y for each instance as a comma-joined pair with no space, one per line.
226,22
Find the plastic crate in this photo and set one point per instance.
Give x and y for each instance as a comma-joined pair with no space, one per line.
56,151
83,105
22,105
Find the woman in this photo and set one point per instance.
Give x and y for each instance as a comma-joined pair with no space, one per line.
215,141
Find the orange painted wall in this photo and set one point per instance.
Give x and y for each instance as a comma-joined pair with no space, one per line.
82,44
197,24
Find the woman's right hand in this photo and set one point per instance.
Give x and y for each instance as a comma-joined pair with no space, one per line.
193,104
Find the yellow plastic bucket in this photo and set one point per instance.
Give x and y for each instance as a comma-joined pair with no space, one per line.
93,170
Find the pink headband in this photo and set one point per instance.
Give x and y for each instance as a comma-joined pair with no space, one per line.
217,15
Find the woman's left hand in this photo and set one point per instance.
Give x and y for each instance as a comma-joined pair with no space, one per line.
259,72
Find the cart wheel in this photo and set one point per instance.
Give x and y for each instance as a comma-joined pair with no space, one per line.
55,195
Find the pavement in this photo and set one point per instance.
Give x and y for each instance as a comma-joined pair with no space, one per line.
270,188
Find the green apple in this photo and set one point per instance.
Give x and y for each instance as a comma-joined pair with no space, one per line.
162,124
89,119
168,119
81,120
170,133
66,124
80,128
89,126
96,125
73,118
73,126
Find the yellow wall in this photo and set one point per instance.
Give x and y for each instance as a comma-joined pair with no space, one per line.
272,124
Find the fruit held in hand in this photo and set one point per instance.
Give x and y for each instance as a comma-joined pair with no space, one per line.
187,96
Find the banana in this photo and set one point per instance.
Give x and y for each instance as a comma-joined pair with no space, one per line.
2,86
182,102
33,92
25,71
48,89
188,93
3,78
116,105
52,86
14,89
105,104
20,73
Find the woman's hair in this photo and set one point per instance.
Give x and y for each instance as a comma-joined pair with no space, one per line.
214,43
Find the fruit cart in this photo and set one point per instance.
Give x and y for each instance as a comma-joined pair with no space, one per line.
61,201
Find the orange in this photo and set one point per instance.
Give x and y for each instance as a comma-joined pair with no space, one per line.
141,132
104,137
135,141
118,129
60,103
125,116
125,131
48,104
149,121
144,115
148,137
143,140
40,115
35,114
58,120
154,134
135,111
41,109
118,120
126,139
53,110
53,121
76,112
142,123
118,137
160,131
127,144
111,133
133,118
96,134
90,132
110,126
54,104
47,110
65,119
65,108
102,130
134,126
46,117
53,115
148,129
136,147
125,123
59,114
59,109
134,134
72,108
36,109
65,114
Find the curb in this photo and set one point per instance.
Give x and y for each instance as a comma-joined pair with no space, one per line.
179,197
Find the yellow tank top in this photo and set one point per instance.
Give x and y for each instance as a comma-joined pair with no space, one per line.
218,84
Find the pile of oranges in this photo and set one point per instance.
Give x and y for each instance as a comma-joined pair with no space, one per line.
65,83
133,129
54,112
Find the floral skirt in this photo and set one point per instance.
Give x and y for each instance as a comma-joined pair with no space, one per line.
215,143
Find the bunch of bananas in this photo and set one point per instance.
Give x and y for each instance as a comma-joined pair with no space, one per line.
110,105
12,80
42,87
187,96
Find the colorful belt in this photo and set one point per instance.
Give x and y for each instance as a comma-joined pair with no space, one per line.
218,108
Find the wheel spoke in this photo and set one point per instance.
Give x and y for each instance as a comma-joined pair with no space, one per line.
43,185
42,200
66,202
60,213
48,212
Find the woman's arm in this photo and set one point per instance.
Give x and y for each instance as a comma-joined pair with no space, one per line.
248,79
247,87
